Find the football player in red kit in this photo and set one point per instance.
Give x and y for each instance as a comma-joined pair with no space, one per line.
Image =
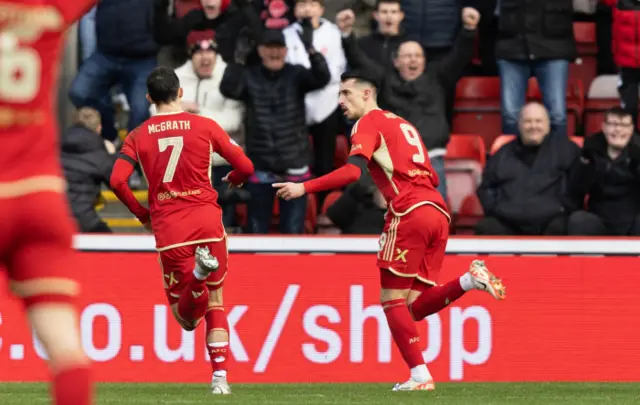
36,228
412,245
175,151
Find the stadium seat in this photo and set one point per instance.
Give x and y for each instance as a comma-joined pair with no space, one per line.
342,151
585,66
575,101
183,7
477,108
578,140
460,185
602,95
331,198
469,214
466,147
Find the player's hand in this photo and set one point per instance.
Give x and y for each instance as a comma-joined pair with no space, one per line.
147,226
345,20
111,148
470,18
225,179
289,191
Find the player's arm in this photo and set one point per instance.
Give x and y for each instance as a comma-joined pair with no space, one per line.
73,10
122,170
365,141
232,153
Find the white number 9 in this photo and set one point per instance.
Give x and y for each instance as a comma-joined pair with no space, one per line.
413,138
19,75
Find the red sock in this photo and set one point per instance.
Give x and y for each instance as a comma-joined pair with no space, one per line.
435,299
216,319
73,387
194,299
404,331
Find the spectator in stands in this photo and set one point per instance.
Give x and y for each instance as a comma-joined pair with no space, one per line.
200,79
359,210
413,92
125,55
277,140
524,183
382,44
608,172
364,9
626,48
217,19
276,14
535,38
322,113
87,160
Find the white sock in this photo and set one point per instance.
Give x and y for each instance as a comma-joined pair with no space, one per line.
466,282
197,273
421,373
219,373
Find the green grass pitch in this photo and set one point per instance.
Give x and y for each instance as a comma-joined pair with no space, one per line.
343,394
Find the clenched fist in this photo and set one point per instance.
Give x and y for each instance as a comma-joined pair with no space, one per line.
470,18
345,20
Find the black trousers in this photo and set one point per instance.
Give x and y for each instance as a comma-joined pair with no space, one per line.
494,226
584,223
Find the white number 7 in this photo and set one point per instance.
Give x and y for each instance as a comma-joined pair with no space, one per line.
413,138
177,142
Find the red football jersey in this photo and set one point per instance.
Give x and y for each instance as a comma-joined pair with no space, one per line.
31,41
398,161
175,153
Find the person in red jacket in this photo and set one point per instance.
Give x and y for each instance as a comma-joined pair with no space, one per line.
626,51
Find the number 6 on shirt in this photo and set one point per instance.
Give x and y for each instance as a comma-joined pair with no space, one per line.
413,138
177,142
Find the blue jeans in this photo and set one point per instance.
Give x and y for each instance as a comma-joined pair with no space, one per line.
437,163
260,210
552,76
87,34
98,74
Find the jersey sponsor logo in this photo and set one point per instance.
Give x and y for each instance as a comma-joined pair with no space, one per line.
419,172
168,195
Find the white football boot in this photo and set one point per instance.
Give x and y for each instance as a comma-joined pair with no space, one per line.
484,280
220,386
205,262
413,385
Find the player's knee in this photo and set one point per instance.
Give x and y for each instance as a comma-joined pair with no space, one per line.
387,295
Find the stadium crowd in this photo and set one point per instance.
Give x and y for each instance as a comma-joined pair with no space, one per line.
496,89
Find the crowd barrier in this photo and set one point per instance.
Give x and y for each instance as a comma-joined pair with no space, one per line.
299,312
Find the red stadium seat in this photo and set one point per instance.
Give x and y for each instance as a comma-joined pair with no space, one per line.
183,7
469,214
467,147
500,142
331,198
460,185
342,151
578,140
477,108
585,66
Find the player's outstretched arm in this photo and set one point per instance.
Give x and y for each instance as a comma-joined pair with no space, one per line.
336,179
233,153
120,185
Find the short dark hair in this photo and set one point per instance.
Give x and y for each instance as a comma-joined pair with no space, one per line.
388,2
361,76
616,112
163,85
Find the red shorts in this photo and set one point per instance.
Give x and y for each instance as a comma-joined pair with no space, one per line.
179,261
36,242
412,247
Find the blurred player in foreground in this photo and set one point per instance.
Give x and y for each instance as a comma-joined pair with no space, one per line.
414,238
174,149
36,228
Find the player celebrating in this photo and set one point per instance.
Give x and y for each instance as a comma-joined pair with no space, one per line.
412,245
35,226
174,149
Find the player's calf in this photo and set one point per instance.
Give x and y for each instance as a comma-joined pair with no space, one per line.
218,342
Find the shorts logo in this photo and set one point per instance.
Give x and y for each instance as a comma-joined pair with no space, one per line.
382,241
401,255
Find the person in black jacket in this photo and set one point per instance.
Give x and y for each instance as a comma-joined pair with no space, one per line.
524,184
277,139
413,91
535,38
382,44
87,164
126,54
608,172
